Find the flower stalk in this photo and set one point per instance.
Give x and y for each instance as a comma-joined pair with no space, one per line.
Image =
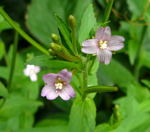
72,22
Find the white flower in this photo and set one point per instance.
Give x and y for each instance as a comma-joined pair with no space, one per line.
31,71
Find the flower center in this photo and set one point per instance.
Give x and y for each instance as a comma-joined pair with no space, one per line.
102,44
32,71
58,86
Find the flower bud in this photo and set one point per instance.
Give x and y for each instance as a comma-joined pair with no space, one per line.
55,37
52,52
72,21
62,52
56,47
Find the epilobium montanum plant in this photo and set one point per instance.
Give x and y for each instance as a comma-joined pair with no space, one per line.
69,67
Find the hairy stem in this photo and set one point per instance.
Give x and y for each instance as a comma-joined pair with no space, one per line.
22,33
13,60
101,89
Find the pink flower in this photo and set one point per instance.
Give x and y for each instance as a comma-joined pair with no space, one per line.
103,44
58,85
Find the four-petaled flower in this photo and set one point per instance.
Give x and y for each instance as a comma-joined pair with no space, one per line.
58,85
103,44
31,71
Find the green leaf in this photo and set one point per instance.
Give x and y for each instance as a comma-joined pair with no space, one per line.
129,112
4,72
87,23
63,105
3,24
46,19
92,80
44,61
2,49
133,46
103,128
57,128
17,104
116,73
137,7
65,33
3,90
146,82
82,116
51,122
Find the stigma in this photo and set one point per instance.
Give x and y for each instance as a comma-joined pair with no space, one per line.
102,44
58,86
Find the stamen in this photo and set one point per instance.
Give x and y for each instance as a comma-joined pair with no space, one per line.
58,86
102,44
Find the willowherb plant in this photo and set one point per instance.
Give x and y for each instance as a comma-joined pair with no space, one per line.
82,56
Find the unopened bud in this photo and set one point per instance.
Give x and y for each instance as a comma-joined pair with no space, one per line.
56,47
51,52
55,37
72,21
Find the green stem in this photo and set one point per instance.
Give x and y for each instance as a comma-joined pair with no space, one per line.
13,60
85,74
22,33
108,10
137,64
101,89
5,57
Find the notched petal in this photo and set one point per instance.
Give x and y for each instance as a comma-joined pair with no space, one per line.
49,78
90,43
104,56
66,75
89,50
103,33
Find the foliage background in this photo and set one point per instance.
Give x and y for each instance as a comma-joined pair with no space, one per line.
21,107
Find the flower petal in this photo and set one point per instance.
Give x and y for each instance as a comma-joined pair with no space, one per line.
50,78
115,46
90,42
104,56
49,92
64,95
65,75
26,72
33,77
103,33
37,69
117,38
89,50
69,90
